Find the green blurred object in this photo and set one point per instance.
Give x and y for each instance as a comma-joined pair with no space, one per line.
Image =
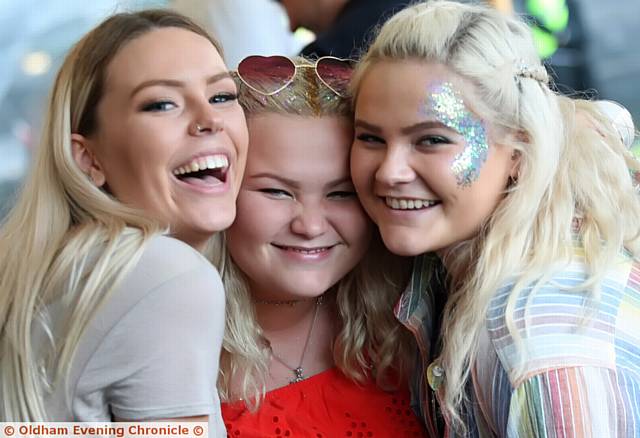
553,18
553,14
636,149
546,43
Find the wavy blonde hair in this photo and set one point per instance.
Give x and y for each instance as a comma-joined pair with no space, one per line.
370,342
572,165
65,239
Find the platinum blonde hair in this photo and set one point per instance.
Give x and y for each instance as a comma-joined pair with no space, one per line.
65,239
573,166
370,342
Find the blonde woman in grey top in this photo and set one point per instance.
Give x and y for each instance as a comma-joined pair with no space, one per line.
102,317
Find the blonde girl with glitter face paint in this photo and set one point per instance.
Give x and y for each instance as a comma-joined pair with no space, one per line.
108,310
311,348
465,158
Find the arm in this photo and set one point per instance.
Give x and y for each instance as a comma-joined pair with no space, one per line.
160,361
575,402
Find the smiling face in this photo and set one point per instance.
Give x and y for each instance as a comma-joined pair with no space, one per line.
423,163
171,138
300,227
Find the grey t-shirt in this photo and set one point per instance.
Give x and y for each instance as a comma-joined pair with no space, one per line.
152,350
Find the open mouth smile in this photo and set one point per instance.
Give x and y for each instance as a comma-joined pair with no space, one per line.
209,170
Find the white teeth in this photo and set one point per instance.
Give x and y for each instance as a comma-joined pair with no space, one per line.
408,204
203,163
218,162
307,251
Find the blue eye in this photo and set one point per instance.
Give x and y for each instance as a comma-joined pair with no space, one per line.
276,193
161,105
223,98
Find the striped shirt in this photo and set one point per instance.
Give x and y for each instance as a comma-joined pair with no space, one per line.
580,376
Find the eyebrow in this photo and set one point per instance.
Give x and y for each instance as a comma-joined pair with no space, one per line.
285,181
430,124
296,184
178,84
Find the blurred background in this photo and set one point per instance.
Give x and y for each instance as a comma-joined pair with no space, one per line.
589,45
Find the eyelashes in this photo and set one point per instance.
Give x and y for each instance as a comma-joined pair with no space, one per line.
163,105
369,138
433,140
223,98
342,194
158,106
276,193
283,194
425,140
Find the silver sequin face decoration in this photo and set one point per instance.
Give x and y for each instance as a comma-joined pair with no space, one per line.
445,104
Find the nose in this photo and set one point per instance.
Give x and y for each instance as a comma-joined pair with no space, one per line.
206,121
395,167
310,220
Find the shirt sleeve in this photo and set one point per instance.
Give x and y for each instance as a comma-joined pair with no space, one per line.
160,360
575,402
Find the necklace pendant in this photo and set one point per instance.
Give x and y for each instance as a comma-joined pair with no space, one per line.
299,375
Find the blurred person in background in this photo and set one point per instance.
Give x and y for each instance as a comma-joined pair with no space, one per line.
342,27
587,46
243,27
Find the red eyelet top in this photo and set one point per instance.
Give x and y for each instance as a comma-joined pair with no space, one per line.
327,405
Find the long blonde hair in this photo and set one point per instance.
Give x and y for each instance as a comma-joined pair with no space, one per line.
65,239
572,165
370,342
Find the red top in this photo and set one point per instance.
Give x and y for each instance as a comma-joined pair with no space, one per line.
327,405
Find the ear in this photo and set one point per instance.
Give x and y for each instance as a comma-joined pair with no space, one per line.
519,136
86,160
515,165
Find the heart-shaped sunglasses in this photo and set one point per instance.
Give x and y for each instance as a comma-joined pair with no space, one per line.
272,74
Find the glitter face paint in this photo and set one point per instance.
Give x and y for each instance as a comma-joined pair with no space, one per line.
446,105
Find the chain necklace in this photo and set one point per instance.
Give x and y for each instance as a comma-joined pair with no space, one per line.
298,372
289,303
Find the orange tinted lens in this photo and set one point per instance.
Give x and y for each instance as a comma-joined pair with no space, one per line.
267,75
335,73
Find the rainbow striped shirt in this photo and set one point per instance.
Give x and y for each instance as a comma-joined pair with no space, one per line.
580,378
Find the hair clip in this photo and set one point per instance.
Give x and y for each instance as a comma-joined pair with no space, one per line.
537,73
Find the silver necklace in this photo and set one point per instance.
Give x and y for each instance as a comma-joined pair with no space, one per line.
298,372
289,303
